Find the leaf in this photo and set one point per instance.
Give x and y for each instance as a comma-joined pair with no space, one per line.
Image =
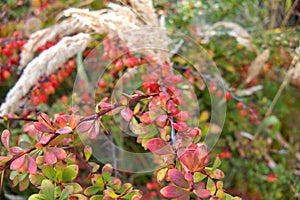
46,138
64,130
161,174
171,191
198,176
210,185
97,197
177,178
44,119
204,116
159,146
87,152
18,163
127,114
274,122
94,131
70,173
65,194
4,159
23,185
36,179
49,172
47,188
37,197
32,167
91,190
42,127
50,157
59,153
97,180
76,187
5,138
217,174
202,193
217,163
84,126
257,64
16,150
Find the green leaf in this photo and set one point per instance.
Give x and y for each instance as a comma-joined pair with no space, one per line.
274,122
65,194
97,197
76,187
210,185
49,172
217,163
91,190
70,173
97,180
47,189
36,179
37,197
198,176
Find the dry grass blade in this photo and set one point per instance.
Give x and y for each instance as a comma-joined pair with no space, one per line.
45,64
40,38
257,64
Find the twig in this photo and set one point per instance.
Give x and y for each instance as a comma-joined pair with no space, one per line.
18,119
288,15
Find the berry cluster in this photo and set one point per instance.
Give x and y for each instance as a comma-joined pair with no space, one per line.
47,85
9,54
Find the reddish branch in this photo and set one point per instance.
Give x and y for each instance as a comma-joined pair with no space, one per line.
94,117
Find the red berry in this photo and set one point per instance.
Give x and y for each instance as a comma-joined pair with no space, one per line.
272,177
130,62
219,94
149,186
119,65
5,74
228,96
240,105
7,52
102,84
243,113
153,194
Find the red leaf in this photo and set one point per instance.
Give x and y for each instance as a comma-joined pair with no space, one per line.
44,119
17,163
127,114
50,157
61,121
180,126
59,153
32,167
218,174
64,130
16,150
182,115
194,157
145,118
94,131
177,178
202,193
159,146
46,138
171,191
42,127
5,138
84,126
161,120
